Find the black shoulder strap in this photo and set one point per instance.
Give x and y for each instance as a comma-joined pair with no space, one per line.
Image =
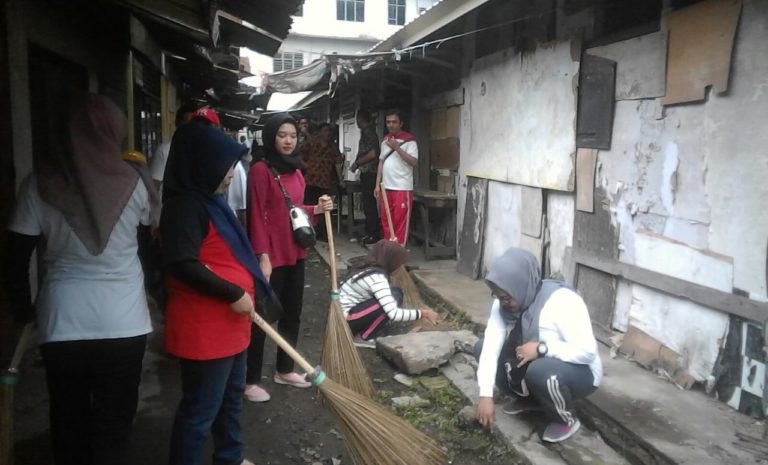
288,201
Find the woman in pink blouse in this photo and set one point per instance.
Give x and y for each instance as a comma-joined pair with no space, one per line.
280,257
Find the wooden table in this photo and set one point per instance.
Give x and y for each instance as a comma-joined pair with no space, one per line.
424,200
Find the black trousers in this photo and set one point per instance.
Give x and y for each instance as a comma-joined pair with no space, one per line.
553,383
370,205
311,196
93,387
288,283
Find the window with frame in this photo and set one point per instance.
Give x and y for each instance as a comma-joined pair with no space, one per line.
350,10
284,61
396,12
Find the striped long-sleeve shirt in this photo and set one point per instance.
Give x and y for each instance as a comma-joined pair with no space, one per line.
354,291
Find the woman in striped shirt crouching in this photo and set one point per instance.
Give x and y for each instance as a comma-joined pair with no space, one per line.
368,300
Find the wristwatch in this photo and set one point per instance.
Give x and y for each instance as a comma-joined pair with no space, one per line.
542,349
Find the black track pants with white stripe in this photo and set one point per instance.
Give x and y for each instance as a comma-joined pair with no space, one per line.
556,384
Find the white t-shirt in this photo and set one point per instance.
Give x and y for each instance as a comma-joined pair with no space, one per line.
236,193
158,161
565,327
396,174
83,296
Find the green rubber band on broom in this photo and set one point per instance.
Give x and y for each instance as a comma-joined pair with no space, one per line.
317,376
334,296
9,378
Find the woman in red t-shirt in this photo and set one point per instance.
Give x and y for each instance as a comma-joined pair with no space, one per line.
213,278
280,257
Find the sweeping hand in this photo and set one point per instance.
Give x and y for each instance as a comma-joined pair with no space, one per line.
376,192
266,266
485,411
243,305
324,204
430,315
526,353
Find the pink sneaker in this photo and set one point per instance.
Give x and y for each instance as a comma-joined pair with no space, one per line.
292,379
256,393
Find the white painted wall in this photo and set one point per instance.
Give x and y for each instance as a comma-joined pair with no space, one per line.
694,175
698,174
686,184
319,19
523,111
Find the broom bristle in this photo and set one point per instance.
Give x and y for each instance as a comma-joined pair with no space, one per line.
340,358
411,295
374,435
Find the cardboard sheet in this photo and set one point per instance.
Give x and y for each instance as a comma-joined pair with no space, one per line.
700,45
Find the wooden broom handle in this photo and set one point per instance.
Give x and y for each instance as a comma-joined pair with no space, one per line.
331,250
21,347
267,328
383,194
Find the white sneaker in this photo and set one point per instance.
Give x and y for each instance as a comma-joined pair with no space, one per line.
256,393
291,379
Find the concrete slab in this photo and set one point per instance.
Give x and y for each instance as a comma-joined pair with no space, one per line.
681,427
456,291
521,431
645,417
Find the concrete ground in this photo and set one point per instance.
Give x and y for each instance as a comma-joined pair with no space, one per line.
648,419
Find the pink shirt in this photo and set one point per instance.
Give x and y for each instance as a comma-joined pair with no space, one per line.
269,227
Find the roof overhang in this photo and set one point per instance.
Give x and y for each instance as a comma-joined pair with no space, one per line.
440,15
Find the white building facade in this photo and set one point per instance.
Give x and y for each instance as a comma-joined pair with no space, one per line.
344,27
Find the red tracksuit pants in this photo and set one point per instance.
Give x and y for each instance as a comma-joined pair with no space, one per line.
400,206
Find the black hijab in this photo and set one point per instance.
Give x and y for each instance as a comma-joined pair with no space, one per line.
199,159
281,163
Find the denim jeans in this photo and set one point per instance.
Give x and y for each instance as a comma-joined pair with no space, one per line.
212,399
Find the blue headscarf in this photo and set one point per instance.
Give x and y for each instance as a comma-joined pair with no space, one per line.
199,159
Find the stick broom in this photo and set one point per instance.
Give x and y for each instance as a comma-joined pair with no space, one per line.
373,434
340,357
8,381
400,276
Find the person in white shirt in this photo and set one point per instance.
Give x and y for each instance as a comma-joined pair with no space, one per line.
237,191
366,297
82,206
538,346
399,155
157,163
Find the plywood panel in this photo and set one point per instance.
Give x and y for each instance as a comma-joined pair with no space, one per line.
700,46
641,64
523,107
437,127
473,228
586,159
597,81
599,292
531,212
452,121
673,258
444,154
